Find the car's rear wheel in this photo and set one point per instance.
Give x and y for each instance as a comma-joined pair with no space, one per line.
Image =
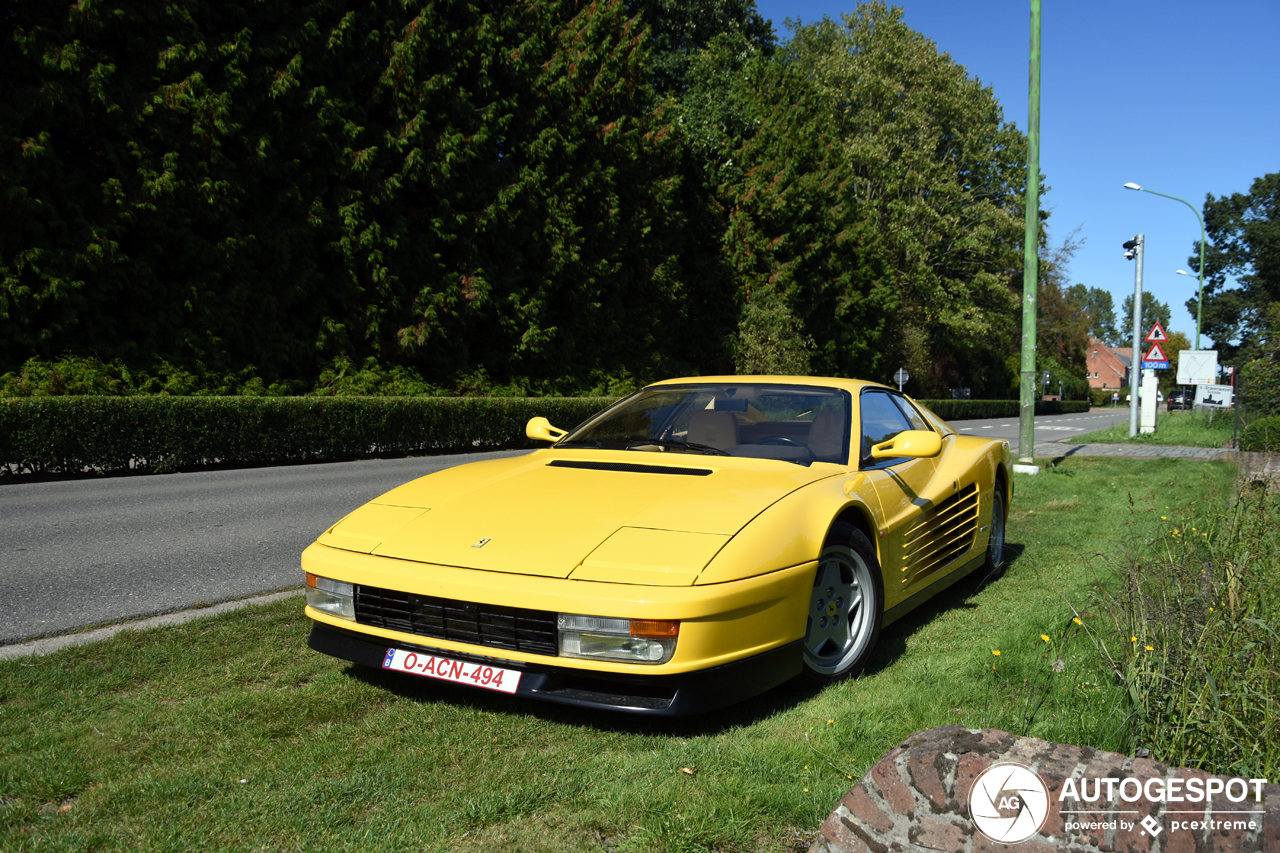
845,607
999,515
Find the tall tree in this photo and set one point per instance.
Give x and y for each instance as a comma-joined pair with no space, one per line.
1062,324
810,278
463,188
1173,348
1099,309
680,29
165,174
1153,311
937,174
1243,230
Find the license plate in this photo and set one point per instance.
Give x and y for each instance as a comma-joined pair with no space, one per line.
457,671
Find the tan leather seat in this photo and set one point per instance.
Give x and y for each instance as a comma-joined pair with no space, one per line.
826,436
716,429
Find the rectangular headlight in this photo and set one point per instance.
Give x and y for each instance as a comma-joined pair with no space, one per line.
650,641
337,598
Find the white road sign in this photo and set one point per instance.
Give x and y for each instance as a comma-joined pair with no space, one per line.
1215,396
1197,366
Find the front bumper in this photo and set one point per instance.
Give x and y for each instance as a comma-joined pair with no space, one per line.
671,695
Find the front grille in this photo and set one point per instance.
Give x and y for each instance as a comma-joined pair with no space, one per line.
512,628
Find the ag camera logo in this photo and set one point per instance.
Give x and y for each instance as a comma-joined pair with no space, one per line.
1009,803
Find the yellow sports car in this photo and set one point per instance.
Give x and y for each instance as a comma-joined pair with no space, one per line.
696,543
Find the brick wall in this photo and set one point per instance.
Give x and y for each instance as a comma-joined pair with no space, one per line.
918,798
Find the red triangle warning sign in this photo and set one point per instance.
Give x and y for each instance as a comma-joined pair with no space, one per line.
1156,335
1156,354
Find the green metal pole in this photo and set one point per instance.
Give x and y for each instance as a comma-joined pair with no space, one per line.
1030,254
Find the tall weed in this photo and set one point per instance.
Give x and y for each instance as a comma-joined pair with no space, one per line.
1191,629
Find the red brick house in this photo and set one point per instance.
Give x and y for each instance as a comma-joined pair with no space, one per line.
1107,367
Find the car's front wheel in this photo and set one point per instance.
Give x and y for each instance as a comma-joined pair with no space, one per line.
999,516
845,608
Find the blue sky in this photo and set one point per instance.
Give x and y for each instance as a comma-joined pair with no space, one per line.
1179,97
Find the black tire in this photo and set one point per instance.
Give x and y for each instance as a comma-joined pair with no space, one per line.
845,608
999,518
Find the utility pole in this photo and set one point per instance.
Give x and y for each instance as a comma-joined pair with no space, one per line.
1030,255
1132,251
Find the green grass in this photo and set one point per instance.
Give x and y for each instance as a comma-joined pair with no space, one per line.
228,733
1183,428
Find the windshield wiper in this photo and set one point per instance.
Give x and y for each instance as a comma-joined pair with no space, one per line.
705,449
582,442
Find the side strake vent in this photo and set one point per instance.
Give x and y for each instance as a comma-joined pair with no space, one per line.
628,466
945,533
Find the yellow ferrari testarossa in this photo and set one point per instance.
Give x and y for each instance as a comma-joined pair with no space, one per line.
696,543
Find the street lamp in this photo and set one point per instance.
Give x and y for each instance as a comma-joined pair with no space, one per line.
1200,219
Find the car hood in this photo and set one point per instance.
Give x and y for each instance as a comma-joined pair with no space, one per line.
550,512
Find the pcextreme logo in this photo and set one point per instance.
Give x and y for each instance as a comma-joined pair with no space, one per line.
1009,802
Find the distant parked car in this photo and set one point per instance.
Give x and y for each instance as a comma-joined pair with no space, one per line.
1181,398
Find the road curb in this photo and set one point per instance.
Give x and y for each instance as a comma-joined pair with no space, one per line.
49,645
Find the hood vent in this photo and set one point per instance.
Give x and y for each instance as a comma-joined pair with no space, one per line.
629,467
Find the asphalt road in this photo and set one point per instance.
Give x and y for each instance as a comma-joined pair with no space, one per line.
1048,427
85,552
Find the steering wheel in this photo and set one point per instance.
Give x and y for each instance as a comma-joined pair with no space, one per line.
786,441
783,440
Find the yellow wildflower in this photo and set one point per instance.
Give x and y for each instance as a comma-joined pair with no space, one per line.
1077,621
995,652
1150,649
1044,637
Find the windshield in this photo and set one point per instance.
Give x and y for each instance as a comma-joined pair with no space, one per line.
791,423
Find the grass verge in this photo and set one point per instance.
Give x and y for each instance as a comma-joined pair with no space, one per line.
1193,634
229,732
1181,428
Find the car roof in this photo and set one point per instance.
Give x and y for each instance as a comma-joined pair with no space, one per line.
851,385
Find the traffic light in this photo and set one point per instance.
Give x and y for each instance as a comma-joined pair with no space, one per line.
1130,249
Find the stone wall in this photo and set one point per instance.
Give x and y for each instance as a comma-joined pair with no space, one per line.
918,798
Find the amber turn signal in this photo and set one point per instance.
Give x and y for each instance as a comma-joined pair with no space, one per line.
655,628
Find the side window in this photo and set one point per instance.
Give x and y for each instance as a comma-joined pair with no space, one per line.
917,420
881,421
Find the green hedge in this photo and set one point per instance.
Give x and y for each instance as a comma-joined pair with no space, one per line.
1263,434
1102,396
67,435
61,435
968,410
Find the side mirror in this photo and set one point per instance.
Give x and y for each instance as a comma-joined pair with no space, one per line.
913,443
540,429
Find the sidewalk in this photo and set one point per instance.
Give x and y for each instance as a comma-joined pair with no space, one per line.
1253,466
